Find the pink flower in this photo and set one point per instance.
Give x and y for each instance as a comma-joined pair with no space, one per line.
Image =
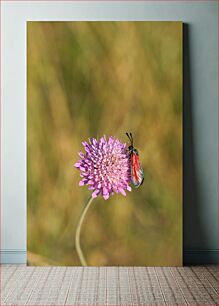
104,167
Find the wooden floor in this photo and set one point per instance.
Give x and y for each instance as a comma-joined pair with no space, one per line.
23,285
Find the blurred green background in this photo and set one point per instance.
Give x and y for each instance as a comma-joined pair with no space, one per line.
86,79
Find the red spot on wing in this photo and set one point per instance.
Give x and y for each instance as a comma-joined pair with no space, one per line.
135,165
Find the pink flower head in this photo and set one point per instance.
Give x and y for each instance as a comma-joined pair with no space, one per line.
105,167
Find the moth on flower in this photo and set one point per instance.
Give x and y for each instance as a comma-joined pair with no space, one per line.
137,173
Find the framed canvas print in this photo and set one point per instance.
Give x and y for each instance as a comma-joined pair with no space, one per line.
104,143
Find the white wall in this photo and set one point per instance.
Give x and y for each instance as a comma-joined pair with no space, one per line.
200,108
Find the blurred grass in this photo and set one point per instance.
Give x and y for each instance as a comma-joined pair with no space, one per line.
86,79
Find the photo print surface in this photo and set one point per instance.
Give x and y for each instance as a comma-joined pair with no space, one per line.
104,143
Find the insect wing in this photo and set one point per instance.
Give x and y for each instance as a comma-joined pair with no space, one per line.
137,174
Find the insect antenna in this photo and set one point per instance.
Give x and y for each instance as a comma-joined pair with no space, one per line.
130,138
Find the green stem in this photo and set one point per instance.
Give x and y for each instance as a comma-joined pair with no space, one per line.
78,230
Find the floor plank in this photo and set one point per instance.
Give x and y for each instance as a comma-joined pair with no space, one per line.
125,286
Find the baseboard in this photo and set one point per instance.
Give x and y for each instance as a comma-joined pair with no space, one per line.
190,257
13,257
200,257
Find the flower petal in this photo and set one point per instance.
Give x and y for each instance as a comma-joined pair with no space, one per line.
122,191
106,196
81,183
95,193
104,167
129,188
77,165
